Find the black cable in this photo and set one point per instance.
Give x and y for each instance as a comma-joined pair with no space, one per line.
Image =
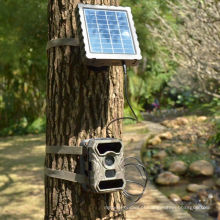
128,195
114,120
137,165
126,89
144,177
126,96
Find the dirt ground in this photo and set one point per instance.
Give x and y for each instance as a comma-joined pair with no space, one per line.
22,187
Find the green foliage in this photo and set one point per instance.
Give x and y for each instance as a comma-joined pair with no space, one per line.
23,36
18,128
213,106
215,139
128,113
175,97
209,108
217,136
38,126
152,75
21,127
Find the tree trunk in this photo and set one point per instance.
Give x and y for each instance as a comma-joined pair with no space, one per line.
80,103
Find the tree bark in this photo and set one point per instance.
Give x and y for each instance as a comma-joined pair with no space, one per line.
80,103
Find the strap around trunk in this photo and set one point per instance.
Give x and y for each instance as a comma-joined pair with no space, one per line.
64,150
63,42
65,175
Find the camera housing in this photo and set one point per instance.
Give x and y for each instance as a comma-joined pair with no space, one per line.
103,164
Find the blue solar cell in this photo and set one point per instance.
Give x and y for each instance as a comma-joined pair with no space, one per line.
113,27
104,31
96,45
114,32
105,36
120,18
103,26
121,14
96,50
125,33
92,26
102,21
101,17
109,31
94,40
94,36
106,46
106,41
117,46
127,42
99,12
110,13
107,50
89,17
91,21
124,27
125,37
89,12
116,39
112,18
93,31
112,22
129,51
118,51
123,22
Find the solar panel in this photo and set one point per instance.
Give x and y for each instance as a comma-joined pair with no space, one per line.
109,32
108,35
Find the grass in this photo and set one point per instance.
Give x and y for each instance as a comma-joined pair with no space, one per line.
21,177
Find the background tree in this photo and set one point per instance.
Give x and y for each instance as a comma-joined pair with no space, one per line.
194,44
23,35
80,103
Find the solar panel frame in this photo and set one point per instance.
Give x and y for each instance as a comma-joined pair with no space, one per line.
108,58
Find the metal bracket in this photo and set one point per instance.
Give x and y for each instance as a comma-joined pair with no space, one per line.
63,42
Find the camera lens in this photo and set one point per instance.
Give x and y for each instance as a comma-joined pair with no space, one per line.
109,160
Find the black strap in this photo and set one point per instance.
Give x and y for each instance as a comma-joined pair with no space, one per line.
63,42
64,150
65,175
